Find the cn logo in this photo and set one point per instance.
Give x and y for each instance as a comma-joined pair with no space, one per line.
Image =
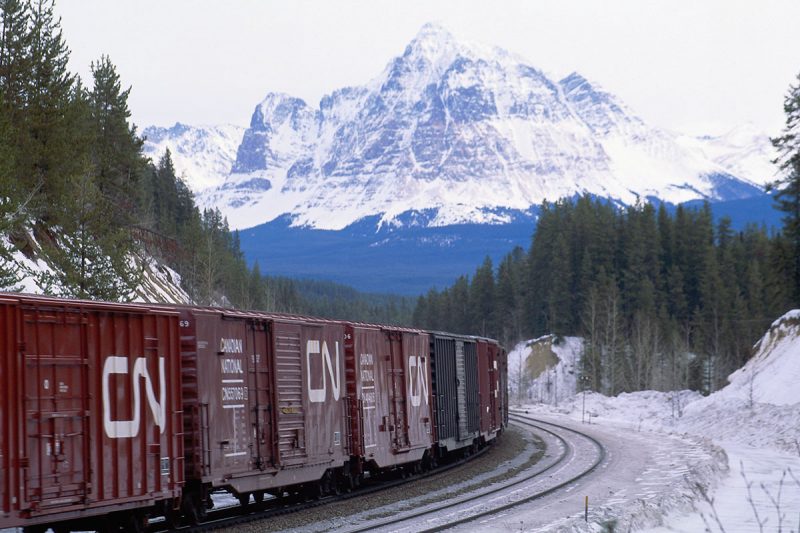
123,429
318,395
417,381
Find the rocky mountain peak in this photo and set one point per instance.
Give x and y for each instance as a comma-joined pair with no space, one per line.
462,132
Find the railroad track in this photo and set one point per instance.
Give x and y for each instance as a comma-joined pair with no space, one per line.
232,516
577,455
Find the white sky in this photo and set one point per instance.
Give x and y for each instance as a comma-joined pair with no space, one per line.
694,66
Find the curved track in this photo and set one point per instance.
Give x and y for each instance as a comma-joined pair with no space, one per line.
229,517
576,455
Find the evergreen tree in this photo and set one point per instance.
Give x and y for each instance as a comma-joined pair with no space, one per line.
787,194
116,150
482,299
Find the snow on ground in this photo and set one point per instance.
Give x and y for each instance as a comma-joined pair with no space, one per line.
755,420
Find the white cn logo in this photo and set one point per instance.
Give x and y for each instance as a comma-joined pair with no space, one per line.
121,429
417,381
312,350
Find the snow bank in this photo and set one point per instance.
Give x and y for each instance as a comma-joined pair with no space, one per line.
755,420
772,375
545,369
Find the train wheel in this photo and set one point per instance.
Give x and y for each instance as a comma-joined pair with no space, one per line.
172,516
258,496
313,491
326,484
194,509
244,499
135,523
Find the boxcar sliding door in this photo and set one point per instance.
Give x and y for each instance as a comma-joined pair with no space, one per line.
56,406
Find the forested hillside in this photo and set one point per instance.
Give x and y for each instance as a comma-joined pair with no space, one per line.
664,301
80,201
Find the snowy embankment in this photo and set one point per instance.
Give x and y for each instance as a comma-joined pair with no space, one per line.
755,420
159,283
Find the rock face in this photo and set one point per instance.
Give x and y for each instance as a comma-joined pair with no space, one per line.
462,133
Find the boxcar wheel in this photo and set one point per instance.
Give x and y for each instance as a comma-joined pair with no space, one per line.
244,499
135,523
194,509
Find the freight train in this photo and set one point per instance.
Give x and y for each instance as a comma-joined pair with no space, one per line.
111,414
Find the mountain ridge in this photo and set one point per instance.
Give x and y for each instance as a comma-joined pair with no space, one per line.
467,131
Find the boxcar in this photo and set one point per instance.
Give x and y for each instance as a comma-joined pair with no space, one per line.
388,379
456,395
90,410
467,380
264,401
491,366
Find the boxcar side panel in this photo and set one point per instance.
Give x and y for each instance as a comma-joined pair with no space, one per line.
98,409
417,361
134,368
322,368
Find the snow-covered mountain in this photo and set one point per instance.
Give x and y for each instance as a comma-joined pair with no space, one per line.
465,133
202,155
744,151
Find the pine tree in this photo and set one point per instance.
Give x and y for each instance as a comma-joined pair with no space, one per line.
482,297
116,150
48,154
787,194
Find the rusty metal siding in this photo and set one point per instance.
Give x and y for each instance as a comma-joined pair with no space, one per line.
78,447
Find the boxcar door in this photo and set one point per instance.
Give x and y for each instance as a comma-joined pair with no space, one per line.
472,400
398,422
259,384
288,382
55,399
494,422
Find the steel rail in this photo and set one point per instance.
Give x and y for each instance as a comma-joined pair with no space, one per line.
233,515
524,421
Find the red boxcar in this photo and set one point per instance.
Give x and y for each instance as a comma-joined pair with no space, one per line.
264,400
389,380
491,365
90,409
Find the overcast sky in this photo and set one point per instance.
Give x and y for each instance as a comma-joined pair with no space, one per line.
692,66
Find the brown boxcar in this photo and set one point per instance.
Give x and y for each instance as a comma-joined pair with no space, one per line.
264,397
90,409
388,379
490,367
